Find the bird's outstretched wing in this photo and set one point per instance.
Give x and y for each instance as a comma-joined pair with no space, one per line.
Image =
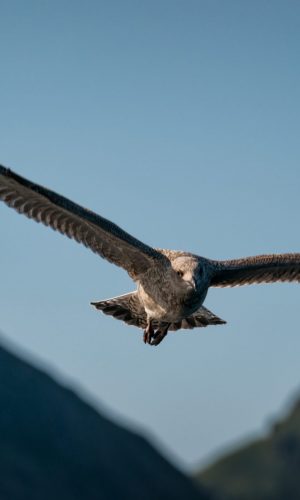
259,269
99,234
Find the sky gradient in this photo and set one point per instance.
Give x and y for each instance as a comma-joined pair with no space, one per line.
179,121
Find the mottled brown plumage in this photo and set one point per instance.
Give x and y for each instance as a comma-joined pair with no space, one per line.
129,308
171,285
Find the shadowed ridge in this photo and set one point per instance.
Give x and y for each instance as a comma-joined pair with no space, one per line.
53,445
265,469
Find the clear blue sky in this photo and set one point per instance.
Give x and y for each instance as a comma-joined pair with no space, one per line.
179,121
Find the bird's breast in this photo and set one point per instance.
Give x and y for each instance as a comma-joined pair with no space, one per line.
168,305
153,306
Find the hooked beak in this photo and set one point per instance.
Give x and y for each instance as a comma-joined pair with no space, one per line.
192,283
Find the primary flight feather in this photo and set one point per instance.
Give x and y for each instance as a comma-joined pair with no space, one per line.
171,285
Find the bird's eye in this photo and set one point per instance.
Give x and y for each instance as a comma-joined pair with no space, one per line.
180,274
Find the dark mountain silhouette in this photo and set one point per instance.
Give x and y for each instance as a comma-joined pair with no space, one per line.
267,469
55,446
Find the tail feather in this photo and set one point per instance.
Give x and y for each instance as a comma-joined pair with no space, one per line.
201,318
126,307
129,308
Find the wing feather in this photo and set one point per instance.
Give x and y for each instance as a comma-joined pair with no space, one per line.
258,269
84,226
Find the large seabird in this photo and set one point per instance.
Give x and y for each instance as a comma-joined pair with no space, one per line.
171,285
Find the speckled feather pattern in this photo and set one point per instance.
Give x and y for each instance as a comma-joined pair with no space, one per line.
257,269
99,234
129,308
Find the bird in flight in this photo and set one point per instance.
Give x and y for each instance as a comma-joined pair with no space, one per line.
171,285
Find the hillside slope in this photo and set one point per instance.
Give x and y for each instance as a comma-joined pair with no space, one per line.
53,445
267,469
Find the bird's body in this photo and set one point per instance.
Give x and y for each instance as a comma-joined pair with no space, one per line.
165,296
171,285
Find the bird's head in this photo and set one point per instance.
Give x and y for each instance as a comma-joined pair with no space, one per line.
190,272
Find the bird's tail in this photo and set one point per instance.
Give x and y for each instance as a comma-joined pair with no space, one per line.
201,318
129,308
126,307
